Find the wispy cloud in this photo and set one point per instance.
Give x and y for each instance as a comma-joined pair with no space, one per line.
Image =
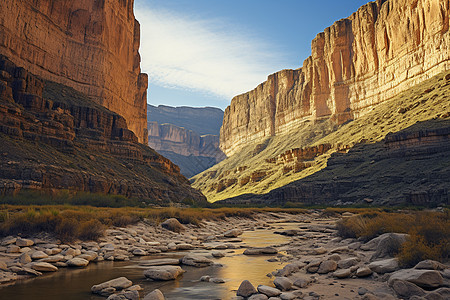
207,55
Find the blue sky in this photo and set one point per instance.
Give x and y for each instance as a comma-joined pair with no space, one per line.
204,52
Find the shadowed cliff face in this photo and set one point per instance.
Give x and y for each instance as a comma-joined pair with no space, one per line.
55,138
384,48
90,45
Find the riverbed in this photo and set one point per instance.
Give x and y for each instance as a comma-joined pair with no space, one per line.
75,284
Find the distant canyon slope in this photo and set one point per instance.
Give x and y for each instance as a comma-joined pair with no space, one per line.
380,70
73,103
188,136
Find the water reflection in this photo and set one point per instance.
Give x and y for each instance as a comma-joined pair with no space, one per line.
70,284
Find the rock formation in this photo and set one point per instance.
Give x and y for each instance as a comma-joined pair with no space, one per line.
202,120
193,143
91,46
56,138
384,48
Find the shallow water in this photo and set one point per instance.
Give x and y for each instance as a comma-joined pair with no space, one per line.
75,284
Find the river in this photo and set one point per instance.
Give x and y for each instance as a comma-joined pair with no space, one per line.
75,284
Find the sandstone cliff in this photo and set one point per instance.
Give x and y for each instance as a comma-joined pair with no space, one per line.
89,45
384,48
192,151
53,138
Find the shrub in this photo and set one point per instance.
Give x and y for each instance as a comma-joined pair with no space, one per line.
429,232
91,230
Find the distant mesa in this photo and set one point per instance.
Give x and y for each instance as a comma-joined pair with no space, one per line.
188,136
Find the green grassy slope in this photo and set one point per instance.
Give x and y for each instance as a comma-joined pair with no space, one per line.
426,101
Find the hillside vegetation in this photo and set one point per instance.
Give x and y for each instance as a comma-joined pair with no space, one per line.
258,169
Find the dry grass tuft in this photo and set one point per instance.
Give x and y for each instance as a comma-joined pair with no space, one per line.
429,232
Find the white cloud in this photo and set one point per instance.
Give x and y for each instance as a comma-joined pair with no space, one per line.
205,55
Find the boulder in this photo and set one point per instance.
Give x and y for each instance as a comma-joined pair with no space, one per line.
24,242
246,289
301,282
290,268
430,265
88,255
77,262
218,254
348,262
139,252
422,278
232,233
384,266
363,272
342,273
163,272
258,297
117,283
126,295
184,246
389,245
268,291
44,267
154,295
38,255
196,260
405,289
24,259
260,251
327,266
290,295
283,283
173,224
217,280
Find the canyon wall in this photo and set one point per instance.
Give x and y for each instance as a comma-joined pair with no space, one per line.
188,136
56,138
168,137
384,48
89,45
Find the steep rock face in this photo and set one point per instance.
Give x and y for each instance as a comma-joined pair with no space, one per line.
384,48
89,45
168,137
186,135
54,138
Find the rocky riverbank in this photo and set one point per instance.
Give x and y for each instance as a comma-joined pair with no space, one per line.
314,264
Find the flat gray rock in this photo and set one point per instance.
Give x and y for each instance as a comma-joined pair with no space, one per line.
117,283
163,272
268,291
422,278
384,266
196,260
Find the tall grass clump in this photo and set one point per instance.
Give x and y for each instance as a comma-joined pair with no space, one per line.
429,232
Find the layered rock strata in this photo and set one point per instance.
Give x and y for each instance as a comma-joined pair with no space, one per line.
91,46
55,138
384,48
186,135
168,137
408,167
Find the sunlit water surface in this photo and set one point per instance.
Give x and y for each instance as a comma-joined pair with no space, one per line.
75,284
